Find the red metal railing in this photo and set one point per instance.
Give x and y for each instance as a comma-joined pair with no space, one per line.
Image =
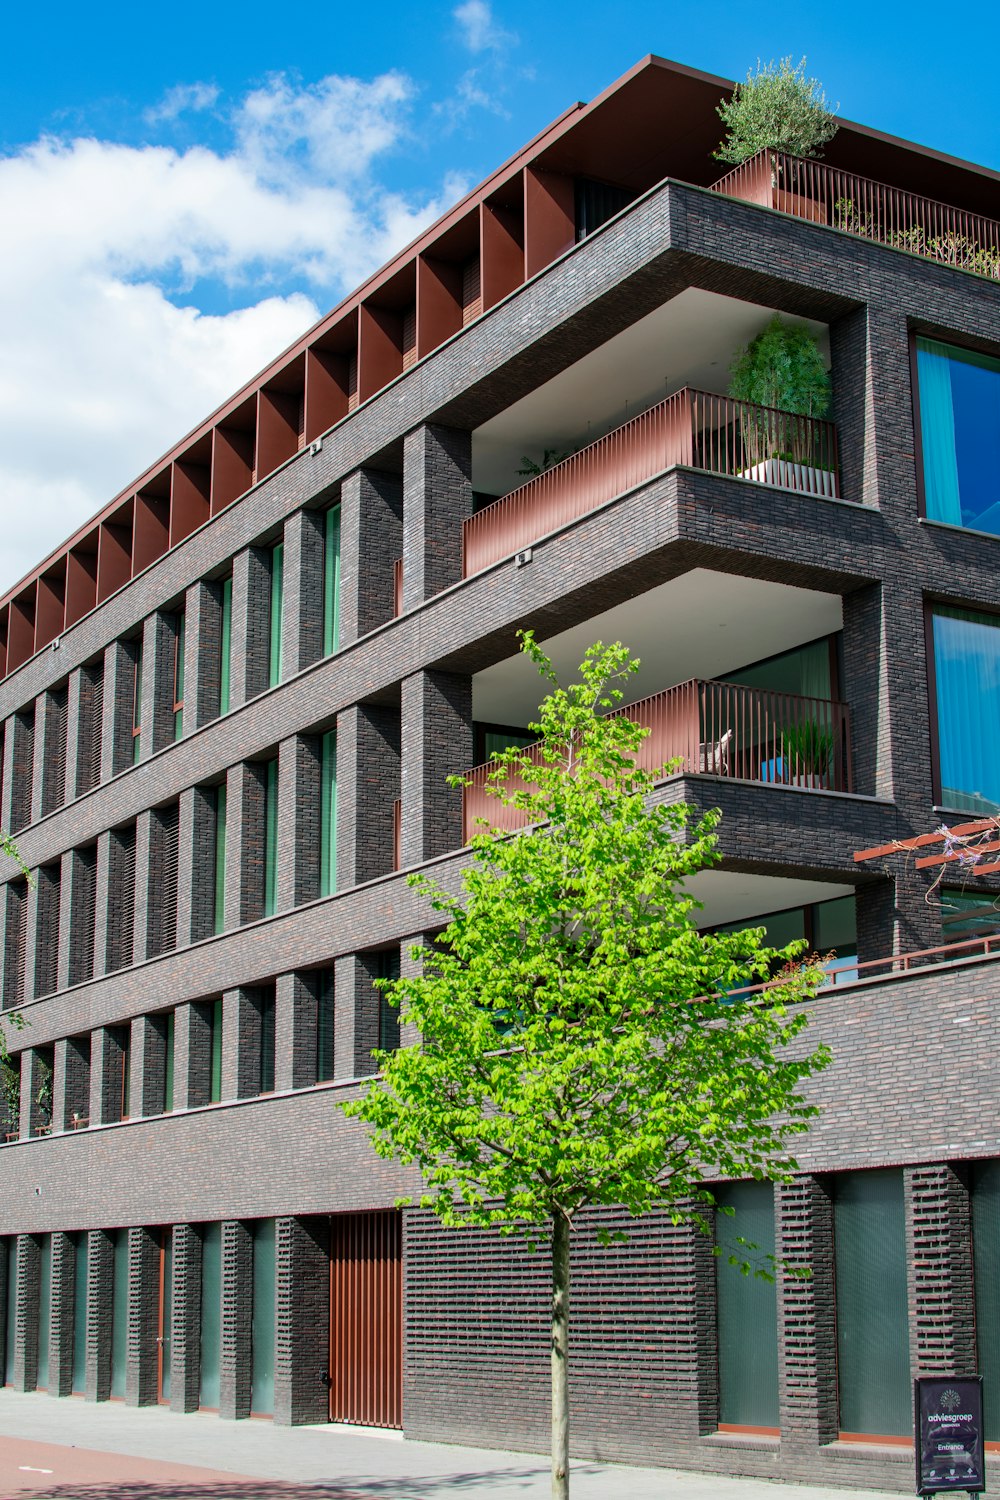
714,729
849,971
903,221
692,428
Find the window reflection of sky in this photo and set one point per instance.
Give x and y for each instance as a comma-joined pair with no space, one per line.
976,398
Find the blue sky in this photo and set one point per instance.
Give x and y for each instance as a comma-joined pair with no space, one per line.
183,190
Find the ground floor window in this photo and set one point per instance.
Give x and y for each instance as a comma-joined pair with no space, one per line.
873,1350
986,1260
211,1314
746,1307
262,1393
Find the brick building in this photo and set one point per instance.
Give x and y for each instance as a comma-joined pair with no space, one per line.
229,704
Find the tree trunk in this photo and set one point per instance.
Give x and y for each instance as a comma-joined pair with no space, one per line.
560,1358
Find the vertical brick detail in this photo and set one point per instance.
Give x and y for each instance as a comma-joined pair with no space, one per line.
192,1055
202,653
250,624
26,1290
689,1345
371,539
302,1325
368,781
940,1290
14,942
100,1312
120,661
235,1354
807,1331
185,1319
148,1064
295,1029
63,1305
143,919
159,637
246,804
21,753
7,773
437,742
48,889
302,622
355,1014
162,880
105,1076
77,932
141,1361
52,761
70,1081
241,1043
437,497
120,895
195,865
88,724
299,772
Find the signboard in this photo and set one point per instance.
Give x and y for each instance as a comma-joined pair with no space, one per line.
948,1422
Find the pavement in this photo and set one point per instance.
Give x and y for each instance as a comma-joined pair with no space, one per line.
73,1450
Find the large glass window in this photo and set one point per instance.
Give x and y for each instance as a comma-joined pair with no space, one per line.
119,1313
211,1314
271,838
804,671
827,926
331,581
873,1349
965,914
44,1308
959,393
79,1313
165,1311
747,1313
387,967
277,597
986,1259
219,920
262,1389
328,816
967,682
11,1311
215,1074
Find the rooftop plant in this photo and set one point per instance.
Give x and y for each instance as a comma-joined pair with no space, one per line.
782,367
778,109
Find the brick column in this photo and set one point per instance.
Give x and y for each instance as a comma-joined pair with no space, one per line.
241,1042
295,1027
63,1309
807,1330
250,624
368,783
100,1312
437,497
355,1014
246,796
185,1320
236,1341
148,1065
687,1290
105,1076
371,539
31,935
192,1054
302,622
940,1289
299,774
141,1355
202,653
437,742
302,1315
120,660
26,1295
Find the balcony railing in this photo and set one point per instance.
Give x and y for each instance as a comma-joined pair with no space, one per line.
715,729
903,221
691,428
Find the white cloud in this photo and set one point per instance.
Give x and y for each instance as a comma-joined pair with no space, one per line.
183,98
479,30
100,242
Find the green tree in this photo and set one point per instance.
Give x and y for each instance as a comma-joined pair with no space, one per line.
778,109
567,1055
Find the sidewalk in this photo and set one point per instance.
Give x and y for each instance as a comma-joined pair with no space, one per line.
314,1463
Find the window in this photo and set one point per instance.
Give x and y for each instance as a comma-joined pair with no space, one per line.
986,1261
119,1313
746,1308
873,1352
80,1245
226,641
959,401
966,655
324,1024
331,581
827,926
211,1315
219,858
277,600
328,815
44,1309
965,915
168,1061
262,1327
137,703
270,838
215,1053
265,1004
387,967
178,674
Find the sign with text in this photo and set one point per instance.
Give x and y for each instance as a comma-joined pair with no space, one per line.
948,1424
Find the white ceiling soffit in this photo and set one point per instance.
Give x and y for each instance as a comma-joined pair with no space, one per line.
690,340
702,624
731,896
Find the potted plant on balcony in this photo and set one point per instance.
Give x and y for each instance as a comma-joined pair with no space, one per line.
782,370
806,750
778,110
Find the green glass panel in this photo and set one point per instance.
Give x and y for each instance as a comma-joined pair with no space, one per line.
220,858
271,839
165,1313
496,741
179,678
835,925
119,1314
747,1308
986,1259
79,1312
804,672
211,1313
262,1393
11,1310
215,1085
226,643
966,916
125,1055
266,1041
331,581
44,1308
872,1329
168,1077
277,598
324,1025
328,816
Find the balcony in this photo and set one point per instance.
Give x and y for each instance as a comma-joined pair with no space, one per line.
871,210
692,428
715,729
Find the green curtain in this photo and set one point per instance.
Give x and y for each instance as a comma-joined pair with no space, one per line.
747,1310
942,496
215,1080
262,1390
873,1346
211,1313
967,674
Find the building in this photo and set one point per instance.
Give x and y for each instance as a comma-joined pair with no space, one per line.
229,704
